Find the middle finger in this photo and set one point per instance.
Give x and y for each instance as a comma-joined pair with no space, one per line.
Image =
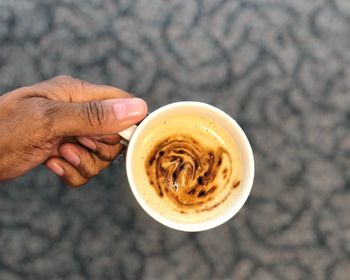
87,163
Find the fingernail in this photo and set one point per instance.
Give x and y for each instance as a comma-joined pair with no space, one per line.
87,142
130,108
55,168
71,156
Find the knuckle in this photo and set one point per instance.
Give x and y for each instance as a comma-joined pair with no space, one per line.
89,172
75,182
77,84
94,113
106,155
82,83
74,185
61,84
80,86
63,78
112,139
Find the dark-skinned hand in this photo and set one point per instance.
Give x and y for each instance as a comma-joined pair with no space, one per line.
69,125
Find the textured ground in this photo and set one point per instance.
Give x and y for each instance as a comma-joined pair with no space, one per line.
281,68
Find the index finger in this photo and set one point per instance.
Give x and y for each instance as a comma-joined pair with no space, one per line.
68,89
88,92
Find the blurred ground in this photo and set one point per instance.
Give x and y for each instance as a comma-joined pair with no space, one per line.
281,68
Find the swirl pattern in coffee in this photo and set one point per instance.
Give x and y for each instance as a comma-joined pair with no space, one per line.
189,174
187,167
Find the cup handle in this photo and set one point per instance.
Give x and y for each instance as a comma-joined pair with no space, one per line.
126,134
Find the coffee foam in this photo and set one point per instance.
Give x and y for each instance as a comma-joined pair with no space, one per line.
187,167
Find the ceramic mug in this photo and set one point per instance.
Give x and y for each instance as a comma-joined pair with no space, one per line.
132,135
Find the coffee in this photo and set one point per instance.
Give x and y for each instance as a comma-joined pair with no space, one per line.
187,167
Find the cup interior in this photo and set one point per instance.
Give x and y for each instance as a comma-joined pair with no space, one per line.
226,122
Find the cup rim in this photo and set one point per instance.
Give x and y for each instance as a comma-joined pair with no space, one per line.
231,210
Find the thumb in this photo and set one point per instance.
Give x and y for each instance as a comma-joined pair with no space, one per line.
96,117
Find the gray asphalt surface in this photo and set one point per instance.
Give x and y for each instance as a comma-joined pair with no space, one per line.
281,68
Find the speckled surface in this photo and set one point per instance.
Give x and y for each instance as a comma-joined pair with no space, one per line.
281,68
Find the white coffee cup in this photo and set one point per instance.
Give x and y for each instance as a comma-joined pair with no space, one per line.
230,125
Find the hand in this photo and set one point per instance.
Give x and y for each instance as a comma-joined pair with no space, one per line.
68,124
